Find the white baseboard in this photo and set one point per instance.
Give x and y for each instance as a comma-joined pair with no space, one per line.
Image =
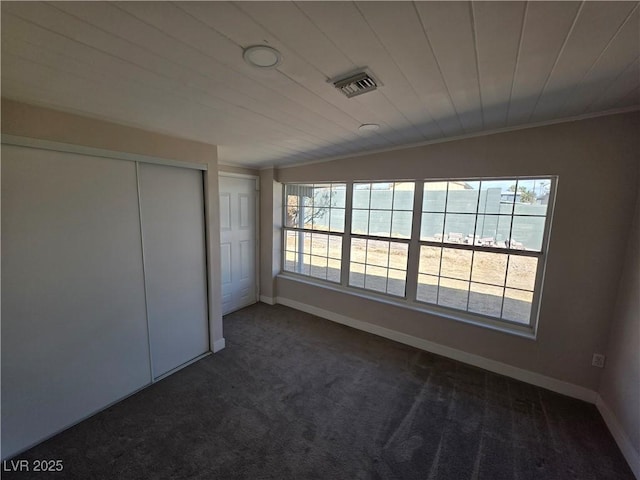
630,453
553,384
218,345
267,300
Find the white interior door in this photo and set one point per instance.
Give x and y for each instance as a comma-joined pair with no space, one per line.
172,218
238,241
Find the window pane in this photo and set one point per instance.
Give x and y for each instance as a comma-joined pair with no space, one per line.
377,253
318,267
381,196
356,275
489,268
291,241
360,222
358,250
432,227
361,194
335,247
376,279
338,195
493,230
401,224
517,305
490,196
380,223
453,293
292,205
530,209
527,233
456,263
430,260
291,194
485,299
532,197
522,272
427,288
403,196
289,263
336,222
396,282
435,196
303,264
463,197
333,271
322,195
398,255
319,244
320,218
457,227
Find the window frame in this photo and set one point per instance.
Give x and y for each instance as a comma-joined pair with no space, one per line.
415,243
311,231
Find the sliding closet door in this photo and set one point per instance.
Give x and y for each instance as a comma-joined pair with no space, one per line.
171,206
74,330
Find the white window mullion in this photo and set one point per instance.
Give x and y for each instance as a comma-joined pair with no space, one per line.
413,262
346,237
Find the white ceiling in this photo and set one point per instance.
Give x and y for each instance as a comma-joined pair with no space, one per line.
447,68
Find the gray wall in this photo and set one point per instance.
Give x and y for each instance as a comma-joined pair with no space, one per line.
270,231
620,385
597,164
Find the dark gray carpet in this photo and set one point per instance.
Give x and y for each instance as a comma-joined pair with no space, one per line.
297,397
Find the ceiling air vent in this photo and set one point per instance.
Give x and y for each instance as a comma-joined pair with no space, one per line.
356,84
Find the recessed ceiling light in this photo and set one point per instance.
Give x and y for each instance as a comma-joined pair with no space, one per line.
368,127
262,56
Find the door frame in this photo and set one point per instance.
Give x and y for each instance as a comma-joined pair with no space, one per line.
256,178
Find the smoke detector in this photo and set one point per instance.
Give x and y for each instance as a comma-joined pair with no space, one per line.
355,84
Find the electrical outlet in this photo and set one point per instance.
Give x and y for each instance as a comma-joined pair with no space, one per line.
598,360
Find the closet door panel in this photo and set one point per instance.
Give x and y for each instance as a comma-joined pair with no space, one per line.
172,212
74,332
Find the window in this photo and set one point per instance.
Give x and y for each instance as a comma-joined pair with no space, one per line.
481,244
472,246
314,223
380,232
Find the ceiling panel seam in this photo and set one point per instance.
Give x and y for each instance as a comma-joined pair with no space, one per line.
425,107
517,63
435,57
595,62
555,63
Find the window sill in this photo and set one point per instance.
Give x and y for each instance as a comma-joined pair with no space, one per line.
523,331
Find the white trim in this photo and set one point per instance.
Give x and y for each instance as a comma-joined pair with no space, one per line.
267,300
624,443
219,345
96,152
465,136
553,384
